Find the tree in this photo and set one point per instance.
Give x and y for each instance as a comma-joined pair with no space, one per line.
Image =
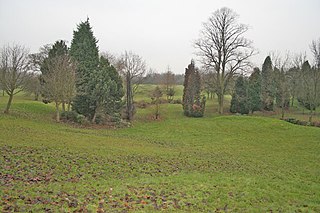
267,85
254,91
33,85
208,83
282,90
13,71
223,49
132,68
315,49
193,104
155,96
59,80
59,48
239,101
84,51
294,75
105,87
169,82
309,88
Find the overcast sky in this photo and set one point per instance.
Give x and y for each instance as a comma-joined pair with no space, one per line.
161,31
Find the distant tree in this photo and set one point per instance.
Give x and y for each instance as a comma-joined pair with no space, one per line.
33,85
254,91
155,96
309,89
84,51
193,104
282,90
132,67
239,101
36,60
105,87
223,49
315,49
267,85
13,71
294,76
59,80
208,82
169,83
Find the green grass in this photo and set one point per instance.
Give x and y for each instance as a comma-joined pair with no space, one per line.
216,163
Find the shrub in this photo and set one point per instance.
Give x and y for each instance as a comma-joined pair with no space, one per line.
315,123
80,119
69,115
178,101
100,118
142,104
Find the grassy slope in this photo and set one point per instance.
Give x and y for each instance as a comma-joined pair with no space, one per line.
237,163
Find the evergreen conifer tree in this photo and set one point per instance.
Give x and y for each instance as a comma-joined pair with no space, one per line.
84,51
267,85
239,101
193,104
254,91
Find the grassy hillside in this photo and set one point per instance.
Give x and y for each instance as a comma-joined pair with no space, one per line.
215,163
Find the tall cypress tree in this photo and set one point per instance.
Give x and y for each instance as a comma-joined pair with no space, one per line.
193,104
85,51
267,85
254,90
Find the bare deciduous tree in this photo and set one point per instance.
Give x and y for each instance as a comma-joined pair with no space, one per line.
169,82
315,49
60,81
132,67
223,48
13,71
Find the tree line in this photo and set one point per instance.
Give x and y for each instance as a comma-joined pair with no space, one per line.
100,86
280,84
224,54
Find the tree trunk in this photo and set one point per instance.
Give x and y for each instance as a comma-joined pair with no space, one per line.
63,106
292,99
95,114
68,107
36,96
128,98
94,117
310,116
157,110
6,111
311,110
57,112
220,101
282,112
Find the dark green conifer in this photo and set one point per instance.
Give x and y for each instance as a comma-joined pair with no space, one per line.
254,91
239,101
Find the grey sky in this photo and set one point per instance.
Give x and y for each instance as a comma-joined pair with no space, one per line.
161,31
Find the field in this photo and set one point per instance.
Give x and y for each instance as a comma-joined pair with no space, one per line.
228,163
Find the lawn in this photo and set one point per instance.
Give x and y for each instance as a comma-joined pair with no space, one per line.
216,163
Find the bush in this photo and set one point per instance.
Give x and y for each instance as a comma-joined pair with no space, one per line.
100,118
142,104
303,123
315,123
73,116
178,101
81,119
69,115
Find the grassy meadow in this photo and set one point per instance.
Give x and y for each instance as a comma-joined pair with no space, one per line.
229,163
